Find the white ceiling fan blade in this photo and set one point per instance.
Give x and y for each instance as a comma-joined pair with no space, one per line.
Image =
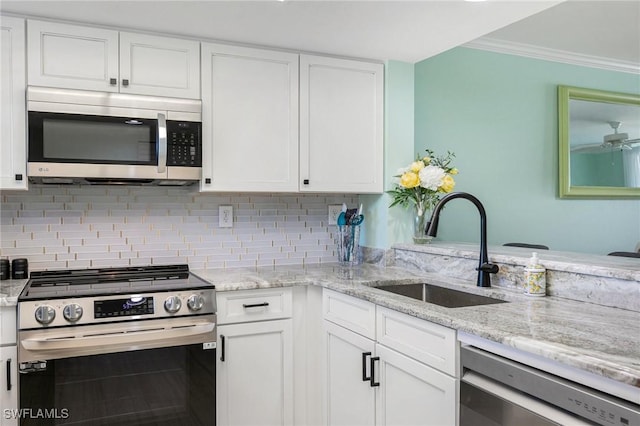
588,148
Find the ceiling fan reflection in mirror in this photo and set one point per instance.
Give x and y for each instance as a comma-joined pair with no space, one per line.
614,140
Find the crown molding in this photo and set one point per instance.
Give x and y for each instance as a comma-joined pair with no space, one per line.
555,55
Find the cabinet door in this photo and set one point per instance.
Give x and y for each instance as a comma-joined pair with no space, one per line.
13,161
8,386
161,66
349,400
72,56
411,393
249,119
254,383
341,125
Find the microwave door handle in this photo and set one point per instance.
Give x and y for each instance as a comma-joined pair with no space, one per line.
161,143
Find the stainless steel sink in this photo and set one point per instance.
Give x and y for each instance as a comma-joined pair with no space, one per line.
442,296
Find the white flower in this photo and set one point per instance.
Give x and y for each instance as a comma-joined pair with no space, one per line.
431,177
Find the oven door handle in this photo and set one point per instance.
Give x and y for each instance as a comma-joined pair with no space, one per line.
116,338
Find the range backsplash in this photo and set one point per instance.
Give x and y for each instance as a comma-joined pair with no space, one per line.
57,227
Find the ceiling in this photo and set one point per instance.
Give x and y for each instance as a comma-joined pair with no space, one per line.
606,30
399,30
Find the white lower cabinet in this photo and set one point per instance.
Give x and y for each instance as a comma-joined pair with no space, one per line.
412,393
8,367
254,383
370,383
350,400
9,385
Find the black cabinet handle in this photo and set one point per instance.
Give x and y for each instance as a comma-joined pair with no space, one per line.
9,385
365,378
305,181
207,180
222,348
373,371
255,305
125,82
113,81
18,176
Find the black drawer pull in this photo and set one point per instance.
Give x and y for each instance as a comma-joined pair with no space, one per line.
256,305
365,378
222,348
9,385
113,81
125,82
373,371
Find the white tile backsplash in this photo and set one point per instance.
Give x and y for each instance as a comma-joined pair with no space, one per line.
59,227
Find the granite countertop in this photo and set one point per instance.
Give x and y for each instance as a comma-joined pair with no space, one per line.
597,339
10,290
625,268
601,340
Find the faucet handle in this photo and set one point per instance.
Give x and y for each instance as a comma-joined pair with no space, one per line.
489,267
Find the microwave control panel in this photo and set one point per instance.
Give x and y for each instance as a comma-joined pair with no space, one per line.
184,144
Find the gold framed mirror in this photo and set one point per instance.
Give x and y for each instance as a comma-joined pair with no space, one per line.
599,143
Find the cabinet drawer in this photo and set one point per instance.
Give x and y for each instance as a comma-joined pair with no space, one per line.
254,305
424,341
352,313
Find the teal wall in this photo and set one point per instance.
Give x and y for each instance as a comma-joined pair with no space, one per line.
384,226
498,113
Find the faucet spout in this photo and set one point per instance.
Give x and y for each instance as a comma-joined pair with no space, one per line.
485,269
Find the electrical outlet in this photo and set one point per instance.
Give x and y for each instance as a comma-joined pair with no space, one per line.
334,212
225,216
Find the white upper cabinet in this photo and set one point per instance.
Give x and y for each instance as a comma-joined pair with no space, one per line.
72,56
13,161
249,119
341,125
79,57
152,65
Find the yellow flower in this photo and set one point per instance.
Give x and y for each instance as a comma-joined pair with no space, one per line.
447,184
426,160
409,180
453,171
416,166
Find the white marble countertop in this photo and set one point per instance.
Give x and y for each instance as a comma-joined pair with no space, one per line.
600,340
10,290
625,268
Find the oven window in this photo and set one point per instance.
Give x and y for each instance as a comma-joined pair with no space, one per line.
165,386
91,139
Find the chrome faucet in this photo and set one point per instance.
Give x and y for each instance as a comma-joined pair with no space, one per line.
484,267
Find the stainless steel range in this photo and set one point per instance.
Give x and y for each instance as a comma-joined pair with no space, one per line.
114,345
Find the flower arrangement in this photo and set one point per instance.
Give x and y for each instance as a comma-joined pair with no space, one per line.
421,184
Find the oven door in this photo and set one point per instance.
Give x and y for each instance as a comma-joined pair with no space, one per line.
141,380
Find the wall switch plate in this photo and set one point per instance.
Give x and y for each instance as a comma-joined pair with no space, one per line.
334,212
225,216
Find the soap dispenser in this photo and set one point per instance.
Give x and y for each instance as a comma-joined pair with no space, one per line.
535,280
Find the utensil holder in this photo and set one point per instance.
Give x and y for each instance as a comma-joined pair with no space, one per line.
348,244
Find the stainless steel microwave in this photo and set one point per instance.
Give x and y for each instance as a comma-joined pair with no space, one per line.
78,136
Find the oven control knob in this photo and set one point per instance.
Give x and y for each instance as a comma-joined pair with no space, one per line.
195,302
172,304
72,312
45,314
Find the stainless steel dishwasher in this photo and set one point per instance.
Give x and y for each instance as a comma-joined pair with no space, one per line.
498,391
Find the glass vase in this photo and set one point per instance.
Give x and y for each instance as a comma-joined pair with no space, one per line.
420,222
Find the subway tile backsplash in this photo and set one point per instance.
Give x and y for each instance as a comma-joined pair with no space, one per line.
60,227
